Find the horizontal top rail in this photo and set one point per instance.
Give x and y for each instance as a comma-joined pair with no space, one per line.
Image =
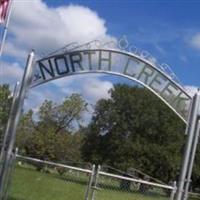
136,180
54,164
138,171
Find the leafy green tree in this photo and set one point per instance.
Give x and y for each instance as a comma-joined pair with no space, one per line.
52,136
135,129
54,147
5,105
63,117
26,129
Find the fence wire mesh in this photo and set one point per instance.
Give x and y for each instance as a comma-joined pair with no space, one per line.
45,180
49,181
193,196
116,187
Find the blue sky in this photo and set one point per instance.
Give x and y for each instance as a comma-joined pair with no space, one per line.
164,28
169,30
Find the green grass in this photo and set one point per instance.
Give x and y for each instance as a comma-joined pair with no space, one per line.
119,195
29,184
110,190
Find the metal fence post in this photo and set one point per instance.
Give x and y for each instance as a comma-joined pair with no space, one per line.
4,150
191,129
173,192
7,132
191,163
8,180
90,183
94,188
13,122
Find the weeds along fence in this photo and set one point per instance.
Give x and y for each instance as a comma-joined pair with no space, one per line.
85,182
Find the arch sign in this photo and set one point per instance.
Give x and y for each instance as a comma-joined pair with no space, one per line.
108,61
119,63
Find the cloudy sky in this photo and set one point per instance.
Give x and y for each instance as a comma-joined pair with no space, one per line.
169,30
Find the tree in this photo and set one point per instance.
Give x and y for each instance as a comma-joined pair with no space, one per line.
51,136
54,147
63,117
5,105
25,131
135,129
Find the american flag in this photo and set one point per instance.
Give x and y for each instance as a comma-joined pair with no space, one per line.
3,10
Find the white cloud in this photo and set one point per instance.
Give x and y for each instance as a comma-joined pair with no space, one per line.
13,50
91,86
35,25
96,89
76,79
38,95
192,90
195,41
10,72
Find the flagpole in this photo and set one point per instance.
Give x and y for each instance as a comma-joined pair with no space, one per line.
6,27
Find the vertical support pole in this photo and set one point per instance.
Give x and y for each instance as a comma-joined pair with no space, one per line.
192,120
173,192
11,168
95,182
6,135
13,122
191,162
90,183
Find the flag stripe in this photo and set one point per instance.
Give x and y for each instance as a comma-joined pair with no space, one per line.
3,10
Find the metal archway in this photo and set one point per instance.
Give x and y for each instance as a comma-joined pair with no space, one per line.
116,62
109,61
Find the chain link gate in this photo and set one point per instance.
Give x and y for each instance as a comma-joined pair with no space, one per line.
88,184
72,182
109,186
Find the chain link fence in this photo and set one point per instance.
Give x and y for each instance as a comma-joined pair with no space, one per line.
109,186
38,179
45,180
193,196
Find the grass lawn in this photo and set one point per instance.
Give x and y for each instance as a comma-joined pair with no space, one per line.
118,195
29,184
